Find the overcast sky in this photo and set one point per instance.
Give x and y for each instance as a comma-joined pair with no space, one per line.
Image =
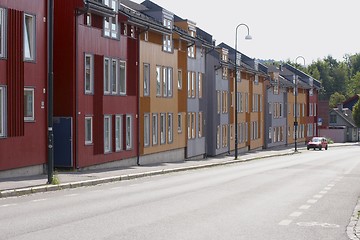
281,29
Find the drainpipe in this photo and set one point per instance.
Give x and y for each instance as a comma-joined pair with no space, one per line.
50,91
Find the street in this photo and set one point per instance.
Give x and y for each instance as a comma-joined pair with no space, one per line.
310,195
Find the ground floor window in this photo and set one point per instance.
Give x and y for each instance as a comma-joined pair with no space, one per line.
29,114
129,128
88,130
118,132
2,112
146,129
107,134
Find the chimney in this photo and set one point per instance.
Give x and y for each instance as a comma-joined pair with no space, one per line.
340,107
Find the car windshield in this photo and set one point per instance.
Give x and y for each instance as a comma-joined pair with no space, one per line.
316,140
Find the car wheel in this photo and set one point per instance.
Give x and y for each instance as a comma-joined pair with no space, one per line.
326,147
320,148
308,148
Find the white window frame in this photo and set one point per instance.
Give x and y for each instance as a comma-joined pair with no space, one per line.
118,133
170,128
89,74
30,116
167,43
170,82
107,76
179,122
165,82
146,79
114,76
179,79
88,130
122,77
3,32
155,132
158,81
107,134
111,25
146,130
29,37
2,111
162,128
129,132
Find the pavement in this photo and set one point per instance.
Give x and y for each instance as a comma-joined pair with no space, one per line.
18,186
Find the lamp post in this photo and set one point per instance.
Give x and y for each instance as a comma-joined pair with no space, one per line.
247,37
296,108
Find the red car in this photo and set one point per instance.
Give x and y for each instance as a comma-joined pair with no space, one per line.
317,142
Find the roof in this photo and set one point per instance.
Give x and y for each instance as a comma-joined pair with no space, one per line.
304,77
345,114
133,5
350,102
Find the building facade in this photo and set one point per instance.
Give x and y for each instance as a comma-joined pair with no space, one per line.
23,87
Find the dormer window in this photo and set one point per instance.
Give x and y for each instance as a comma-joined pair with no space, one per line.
168,23
224,55
111,26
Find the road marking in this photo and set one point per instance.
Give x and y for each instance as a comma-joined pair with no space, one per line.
295,214
72,195
317,196
312,201
39,200
316,224
117,188
8,205
323,192
304,207
331,185
285,222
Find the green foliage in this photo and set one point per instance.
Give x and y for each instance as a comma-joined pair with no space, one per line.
335,99
55,180
356,114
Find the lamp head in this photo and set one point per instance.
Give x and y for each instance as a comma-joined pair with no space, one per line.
248,37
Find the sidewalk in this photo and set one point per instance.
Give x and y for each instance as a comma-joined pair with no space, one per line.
26,185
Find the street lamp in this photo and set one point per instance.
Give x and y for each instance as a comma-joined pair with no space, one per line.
296,124
247,37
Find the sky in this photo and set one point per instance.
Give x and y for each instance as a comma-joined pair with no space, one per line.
281,29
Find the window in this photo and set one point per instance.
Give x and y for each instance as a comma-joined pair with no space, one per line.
191,51
218,137
179,79
114,76
158,81
155,129
88,19
125,29
128,132
224,72
170,81
89,74
200,85
146,129
170,128
333,118
106,76
146,79
29,114
165,82
2,33
200,127
88,130
189,84
193,120
111,27
132,31
2,111
146,36
179,123
29,37
218,94
118,132
107,134
167,43
162,128
122,76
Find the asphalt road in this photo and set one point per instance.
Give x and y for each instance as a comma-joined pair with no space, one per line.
310,195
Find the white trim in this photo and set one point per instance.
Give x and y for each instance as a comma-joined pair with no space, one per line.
29,40
90,141
2,111
29,106
3,32
107,134
90,88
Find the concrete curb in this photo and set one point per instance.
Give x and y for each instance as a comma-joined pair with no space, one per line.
49,188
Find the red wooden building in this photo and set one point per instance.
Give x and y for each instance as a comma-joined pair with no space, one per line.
23,87
95,85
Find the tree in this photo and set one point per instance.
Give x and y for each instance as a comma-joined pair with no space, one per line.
353,85
356,114
335,99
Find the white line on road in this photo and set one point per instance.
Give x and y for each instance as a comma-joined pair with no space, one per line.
304,207
317,196
72,195
285,222
8,205
323,192
296,214
327,188
312,201
331,185
39,200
